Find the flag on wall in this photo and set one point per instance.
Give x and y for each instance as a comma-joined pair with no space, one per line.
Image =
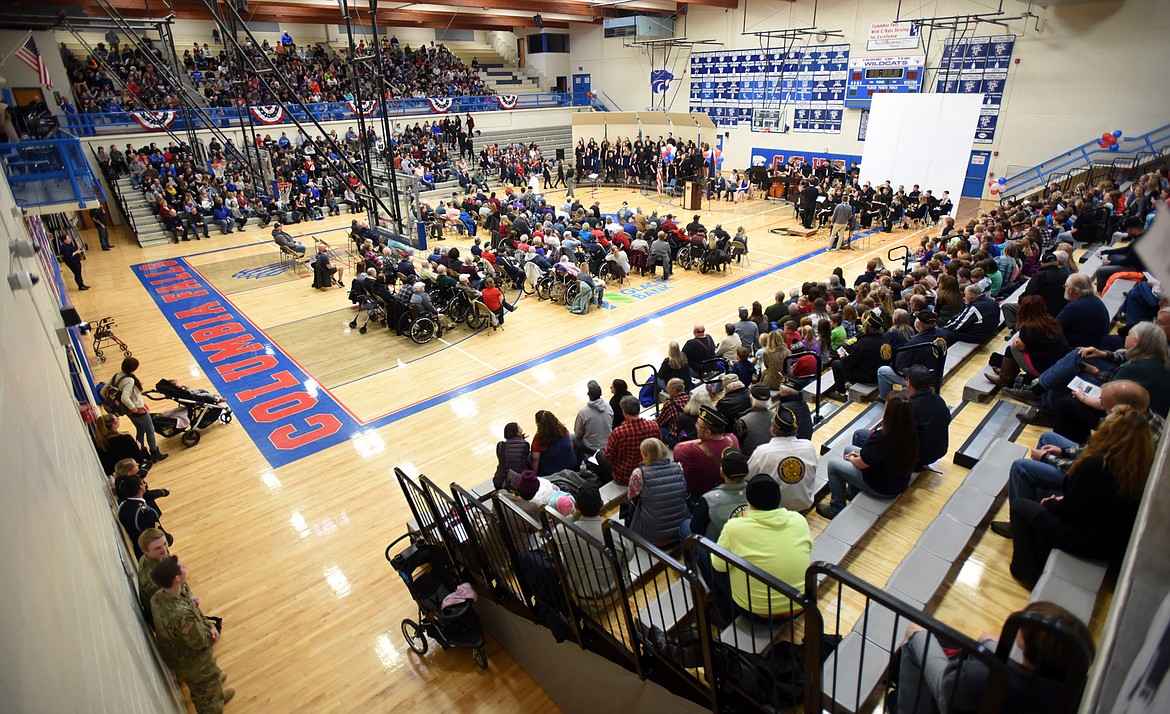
660,81
507,101
368,107
32,59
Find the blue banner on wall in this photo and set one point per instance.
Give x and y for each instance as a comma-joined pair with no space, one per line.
774,157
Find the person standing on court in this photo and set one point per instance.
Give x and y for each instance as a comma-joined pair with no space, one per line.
130,394
808,204
842,221
155,547
71,256
185,638
99,222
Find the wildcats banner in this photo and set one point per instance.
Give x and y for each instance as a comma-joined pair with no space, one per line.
507,101
283,409
154,121
440,105
368,107
269,113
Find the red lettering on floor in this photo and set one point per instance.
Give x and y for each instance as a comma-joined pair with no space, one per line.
185,285
286,437
161,264
280,380
201,323
173,297
207,308
176,276
283,406
230,328
243,368
231,347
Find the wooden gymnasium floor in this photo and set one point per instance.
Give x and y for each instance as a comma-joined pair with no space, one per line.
291,556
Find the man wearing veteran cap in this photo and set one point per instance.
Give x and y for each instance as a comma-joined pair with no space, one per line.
860,362
726,501
770,537
792,462
700,458
926,323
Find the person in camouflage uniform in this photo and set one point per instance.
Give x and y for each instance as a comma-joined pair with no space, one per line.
185,638
153,544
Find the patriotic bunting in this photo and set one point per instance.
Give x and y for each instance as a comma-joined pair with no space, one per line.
440,105
507,101
154,121
368,107
268,113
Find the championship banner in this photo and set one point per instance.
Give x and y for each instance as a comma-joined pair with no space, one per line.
507,101
154,121
440,105
368,107
268,113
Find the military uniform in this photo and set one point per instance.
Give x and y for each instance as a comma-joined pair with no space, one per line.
147,587
184,638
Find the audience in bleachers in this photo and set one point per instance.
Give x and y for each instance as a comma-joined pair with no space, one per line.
314,72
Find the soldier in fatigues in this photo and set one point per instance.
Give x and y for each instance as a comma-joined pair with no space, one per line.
153,544
185,638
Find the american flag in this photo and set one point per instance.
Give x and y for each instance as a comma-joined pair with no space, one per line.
32,58
660,179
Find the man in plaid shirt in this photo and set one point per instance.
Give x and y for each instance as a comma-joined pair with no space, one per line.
1042,474
623,451
677,398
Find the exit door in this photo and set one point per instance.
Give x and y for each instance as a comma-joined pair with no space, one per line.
582,85
976,177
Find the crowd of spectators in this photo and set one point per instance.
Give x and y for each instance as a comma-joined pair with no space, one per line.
140,80
314,72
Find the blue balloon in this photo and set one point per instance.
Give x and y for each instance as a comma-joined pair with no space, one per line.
1114,147
1002,181
1117,134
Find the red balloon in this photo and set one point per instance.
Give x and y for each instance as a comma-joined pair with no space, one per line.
1106,136
995,192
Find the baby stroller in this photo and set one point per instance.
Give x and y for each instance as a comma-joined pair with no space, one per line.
444,605
197,410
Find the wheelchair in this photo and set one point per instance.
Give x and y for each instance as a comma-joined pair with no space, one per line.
692,252
421,327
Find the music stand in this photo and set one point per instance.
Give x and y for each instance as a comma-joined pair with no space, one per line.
594,179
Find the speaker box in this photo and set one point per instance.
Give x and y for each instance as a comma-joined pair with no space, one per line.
560,154
538,20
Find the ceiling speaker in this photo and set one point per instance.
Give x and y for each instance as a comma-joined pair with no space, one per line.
538,20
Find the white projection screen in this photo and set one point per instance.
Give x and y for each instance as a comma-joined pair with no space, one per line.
922,139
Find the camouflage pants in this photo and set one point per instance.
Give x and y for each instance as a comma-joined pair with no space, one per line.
206,689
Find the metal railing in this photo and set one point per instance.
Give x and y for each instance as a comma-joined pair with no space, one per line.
223,117
47,172
1081,159
728,635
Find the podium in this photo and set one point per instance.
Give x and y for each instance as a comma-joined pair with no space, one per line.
692,198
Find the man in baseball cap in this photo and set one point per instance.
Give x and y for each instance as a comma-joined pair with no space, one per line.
701,458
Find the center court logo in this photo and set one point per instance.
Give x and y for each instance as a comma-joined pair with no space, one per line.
261,271
628,295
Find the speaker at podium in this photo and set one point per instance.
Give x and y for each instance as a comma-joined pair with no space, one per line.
692,198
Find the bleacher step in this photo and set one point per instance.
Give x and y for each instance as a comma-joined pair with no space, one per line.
1000,423
676,606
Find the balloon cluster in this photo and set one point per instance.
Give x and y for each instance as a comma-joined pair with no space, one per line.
996,185
1110,141
591,95
667,153
718,160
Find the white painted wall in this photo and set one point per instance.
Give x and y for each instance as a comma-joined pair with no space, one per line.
71,636
1092,67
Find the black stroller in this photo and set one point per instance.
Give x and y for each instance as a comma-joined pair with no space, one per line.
197,410
431,578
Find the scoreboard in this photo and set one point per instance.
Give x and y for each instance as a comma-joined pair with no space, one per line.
871,75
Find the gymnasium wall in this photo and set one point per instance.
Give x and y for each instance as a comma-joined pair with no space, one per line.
71,636
1092,67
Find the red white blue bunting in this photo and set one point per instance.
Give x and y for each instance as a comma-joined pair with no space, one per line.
440,105
268,113
368,107
507,101
154,121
